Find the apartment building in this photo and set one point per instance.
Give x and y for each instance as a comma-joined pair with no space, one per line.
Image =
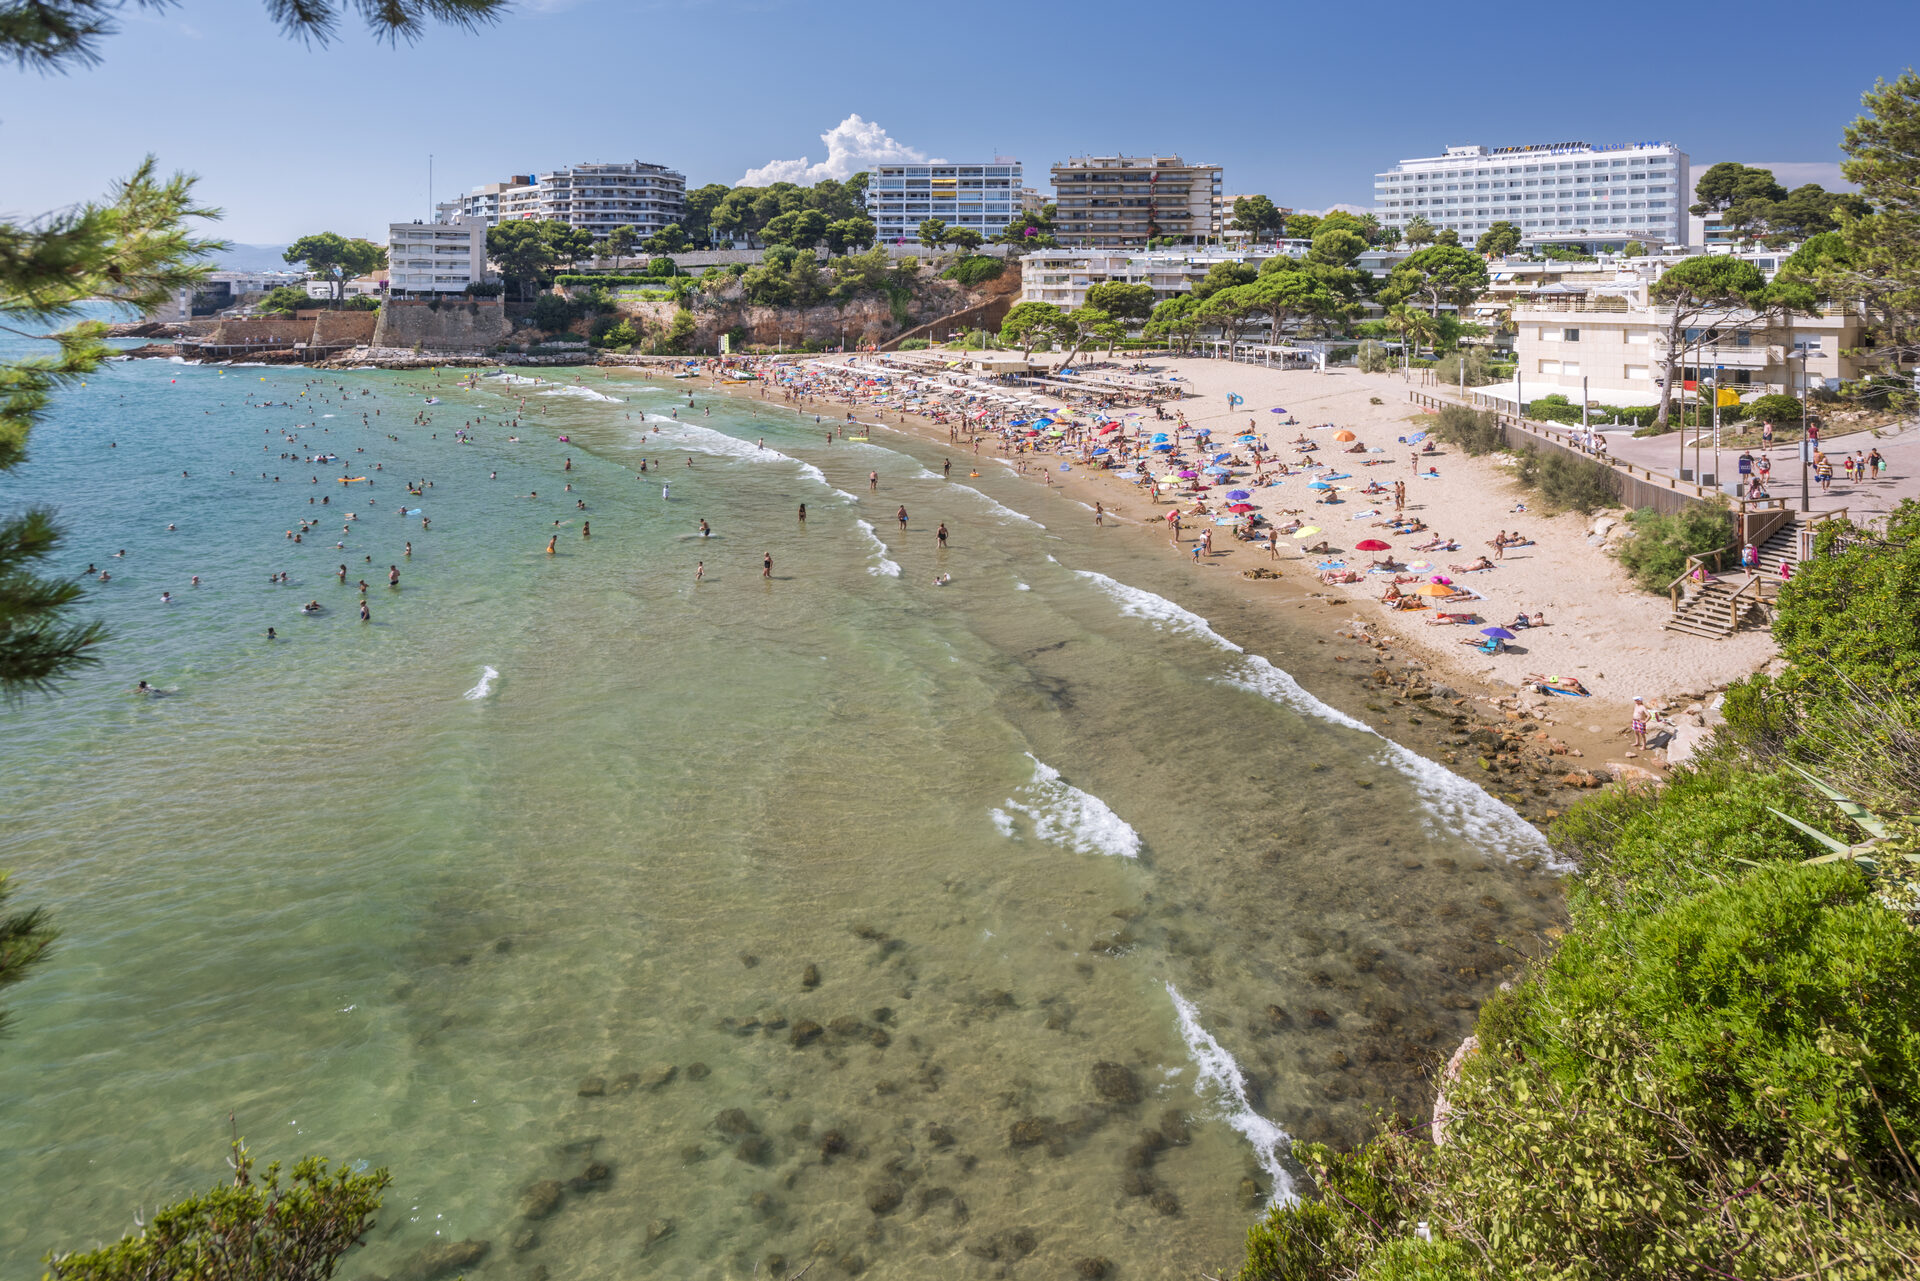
1063,276
1614,338
1572,193
435,257
594,197
980,197
1512,282
1122,202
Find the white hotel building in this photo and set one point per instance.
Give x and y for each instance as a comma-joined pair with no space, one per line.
594,197
426,258
979,197
1562,192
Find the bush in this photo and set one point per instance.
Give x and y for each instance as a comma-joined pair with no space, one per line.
1476,432
914,344
553,313
1478,367
1567,482
1774,408
362,302
974,270
1657,553
1372,357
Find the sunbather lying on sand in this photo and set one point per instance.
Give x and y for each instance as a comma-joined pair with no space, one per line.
1441,617
1320,547
1564,684
1334,577
1439,545
1475,567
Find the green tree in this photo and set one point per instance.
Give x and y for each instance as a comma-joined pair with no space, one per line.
1031,230
1256,214
799,228
1371,228
735,218
1174,322
284,301
619,336
966,239
1121,300
670,239
1286,295
1439,275
1335,247
1499,240
849,234
701,202
25,940
1223,275
1418,231
932,232
1028,324
336,259
1883,275
248,1230
1446,236
1300,226
1633,249
1389,236
1730,183
1694,293
1229,310
619,242
523,251
1084,325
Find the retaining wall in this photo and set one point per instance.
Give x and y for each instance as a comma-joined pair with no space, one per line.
435,325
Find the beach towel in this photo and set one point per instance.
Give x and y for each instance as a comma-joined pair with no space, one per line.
1362,515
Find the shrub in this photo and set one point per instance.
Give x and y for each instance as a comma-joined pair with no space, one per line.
1567,482
1372,357
974,270
1657,553
553,313
1476,432
1478,367
1774,408
914,344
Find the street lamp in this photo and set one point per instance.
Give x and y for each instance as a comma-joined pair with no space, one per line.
1800,354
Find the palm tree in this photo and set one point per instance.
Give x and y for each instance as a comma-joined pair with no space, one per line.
1370,228
1419,231
1414,327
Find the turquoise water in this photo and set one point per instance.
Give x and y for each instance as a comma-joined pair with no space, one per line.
1024,828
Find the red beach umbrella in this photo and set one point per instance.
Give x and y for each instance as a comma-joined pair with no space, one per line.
1372,545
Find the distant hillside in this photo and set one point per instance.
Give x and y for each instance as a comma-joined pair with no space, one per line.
253,258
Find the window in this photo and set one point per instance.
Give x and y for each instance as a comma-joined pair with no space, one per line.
1570,335
1550,367
1637,373
1570,368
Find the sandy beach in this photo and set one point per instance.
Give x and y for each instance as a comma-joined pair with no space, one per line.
1599,628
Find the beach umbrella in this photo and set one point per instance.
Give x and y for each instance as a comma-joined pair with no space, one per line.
1162,449
1303,533
1098,452
1276,411
1189,474
1216,471
1343,435
1372,545
1204,431
1500,632
1221,458
1109,428
1243,438
1433,589
1421,564
1239,507
1238,495
1319,484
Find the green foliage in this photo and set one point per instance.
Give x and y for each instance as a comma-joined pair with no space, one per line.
526,252
1301,226
847,235
1474,431
1657,553
1121,300
25,940
975,270
966,239
284,301
670,239
1498,240
336,259
361,302
1256,214
1418,231
553,313
1028,324
1568,482
1223,275
1851,614
914,344
1774,408
1440,274
679,335
1373,357
620,335
1475,363
249,1230
932,232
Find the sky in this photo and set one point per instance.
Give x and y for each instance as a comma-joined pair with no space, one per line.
1301,103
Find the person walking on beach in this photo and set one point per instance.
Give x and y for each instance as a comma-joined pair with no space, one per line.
901,516
1500,545
699,570
873,482
1399,495
1206,542
1639,724
1099,513
940,536
766,565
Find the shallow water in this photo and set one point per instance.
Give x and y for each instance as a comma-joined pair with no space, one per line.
801,910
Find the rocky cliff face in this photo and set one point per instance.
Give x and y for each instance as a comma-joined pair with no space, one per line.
869,318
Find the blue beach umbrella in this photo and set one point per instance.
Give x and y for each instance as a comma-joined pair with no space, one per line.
1243,438
1500,632
1098,452
1238,495
1319,484
1163,449
1215,471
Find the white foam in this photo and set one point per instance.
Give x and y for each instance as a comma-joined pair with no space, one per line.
1065,815
1002,821
1137,602
1215,1067
1022,587
584,393
485,687
1455,803
1000,508
885,566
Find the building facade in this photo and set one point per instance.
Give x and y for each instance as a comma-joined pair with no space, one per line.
1561,193
979,197
593,197
1063,276
1613,339
1122,202
436,257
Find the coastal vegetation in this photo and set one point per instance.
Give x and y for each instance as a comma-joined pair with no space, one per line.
1718,1071
336,259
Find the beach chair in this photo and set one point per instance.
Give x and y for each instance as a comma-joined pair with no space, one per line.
1489,646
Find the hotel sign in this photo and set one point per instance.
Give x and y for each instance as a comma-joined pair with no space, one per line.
1557,147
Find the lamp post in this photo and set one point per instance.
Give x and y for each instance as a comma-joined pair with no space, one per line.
1800,354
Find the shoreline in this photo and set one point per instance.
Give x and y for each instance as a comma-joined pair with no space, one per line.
1524,750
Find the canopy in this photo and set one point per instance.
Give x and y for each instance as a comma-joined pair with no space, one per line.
1238,494
1343,435
1372,545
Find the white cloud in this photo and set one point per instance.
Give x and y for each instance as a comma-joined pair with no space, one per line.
852,145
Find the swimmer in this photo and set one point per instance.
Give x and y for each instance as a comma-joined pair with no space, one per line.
941,580
311,607
699,570
551,542
366,615
196,580
705,531
272,635
166,598
170,529
586,529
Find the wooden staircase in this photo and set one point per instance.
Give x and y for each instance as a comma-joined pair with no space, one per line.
1716,610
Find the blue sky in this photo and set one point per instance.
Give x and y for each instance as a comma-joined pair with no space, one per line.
1301,102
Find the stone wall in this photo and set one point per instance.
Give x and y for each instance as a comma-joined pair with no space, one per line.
468,325
354,328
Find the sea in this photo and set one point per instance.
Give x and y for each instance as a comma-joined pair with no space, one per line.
647,912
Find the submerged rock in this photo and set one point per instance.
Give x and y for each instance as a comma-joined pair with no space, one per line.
1116,1083
658,1075
810,977
658,1229
698,1071
733,1123
805,1032
1031,1130
540,1199
441,1259
884,1198
596,1176
1165,1202
592,1088
939,1135
1093,1268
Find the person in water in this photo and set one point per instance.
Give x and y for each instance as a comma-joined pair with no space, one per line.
551,542
699,570
766,565
803,518
705,530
